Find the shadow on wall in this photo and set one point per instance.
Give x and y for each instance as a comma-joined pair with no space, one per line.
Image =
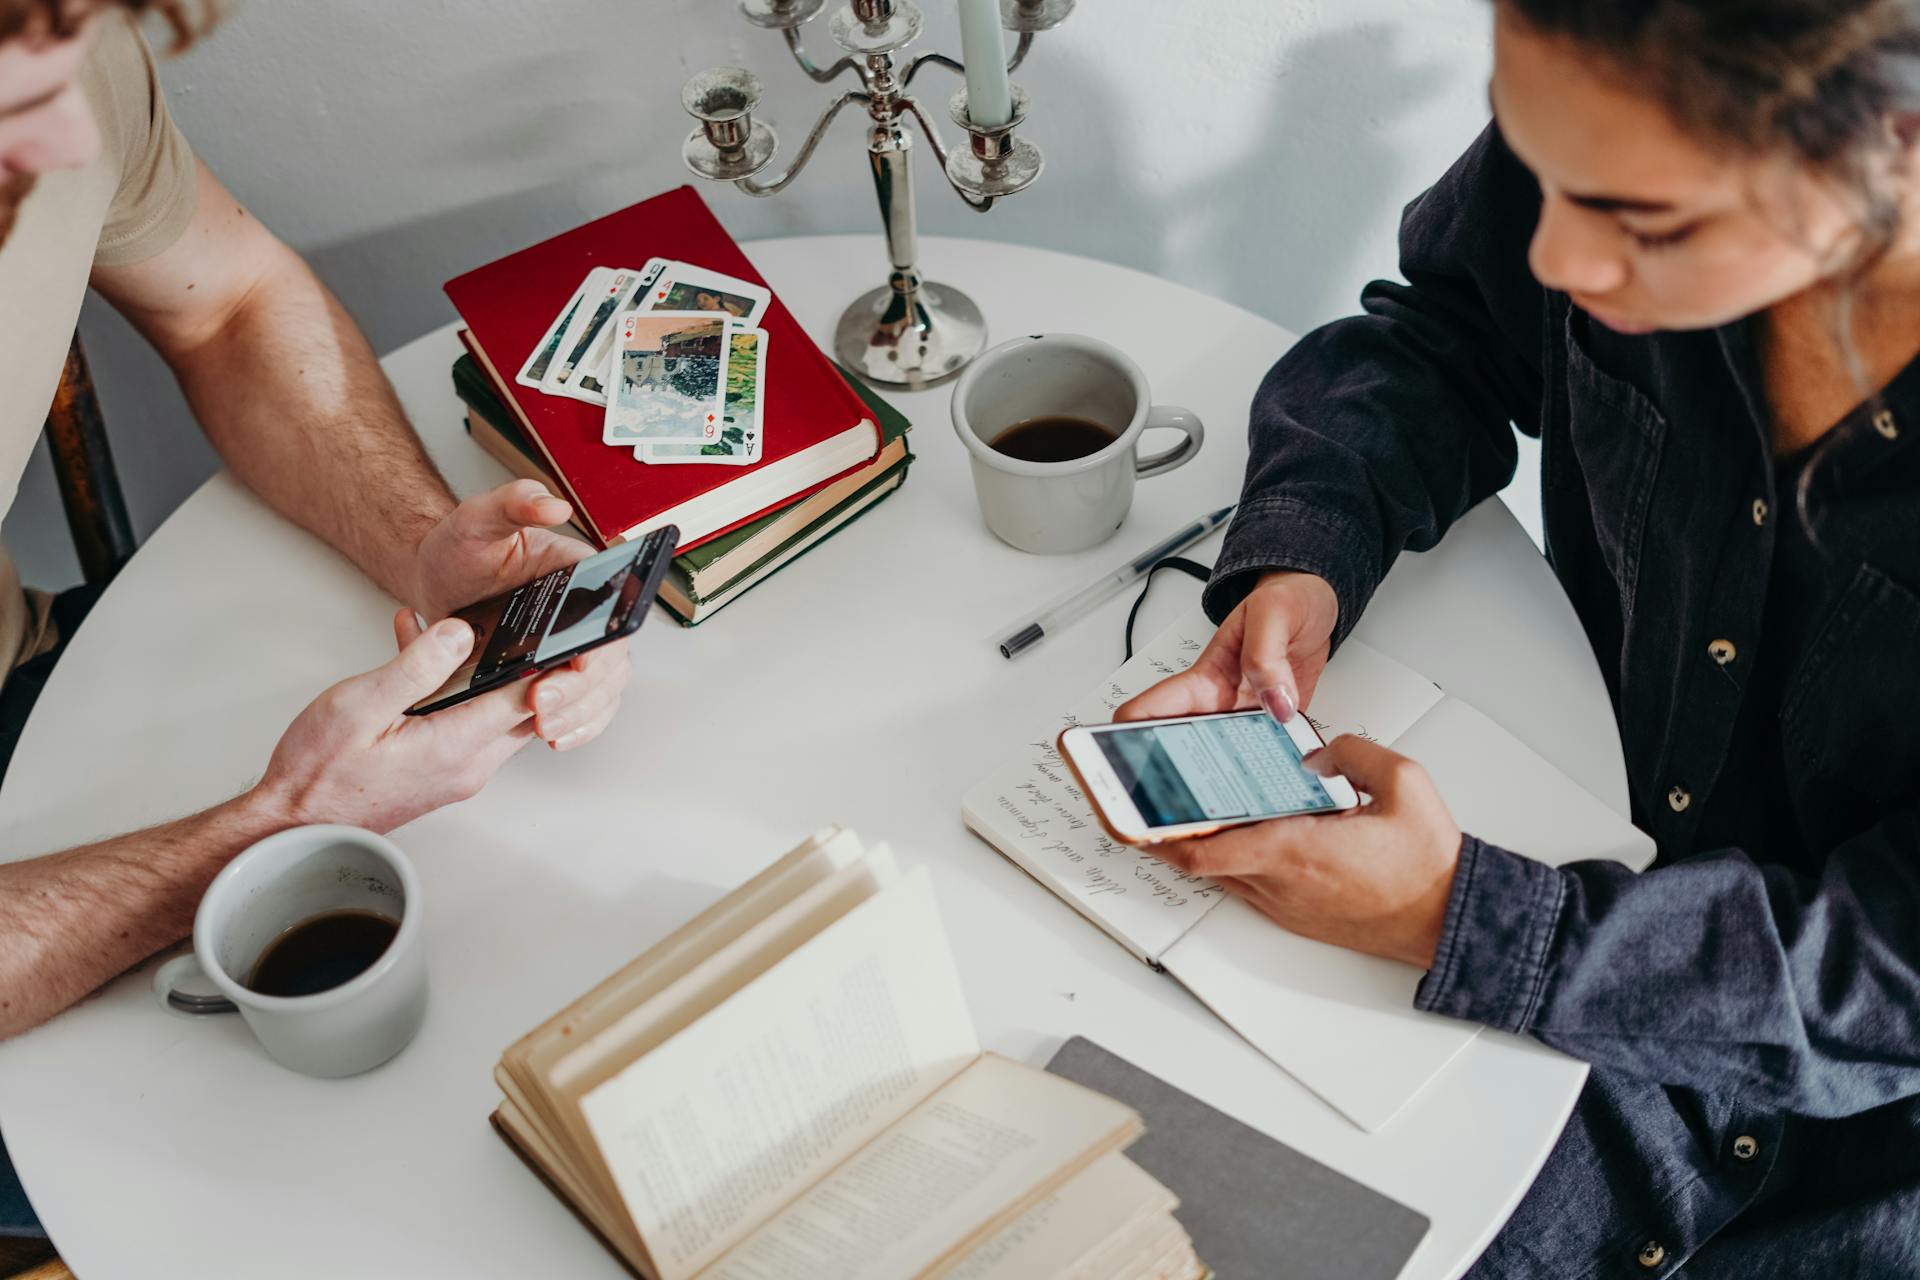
1277,224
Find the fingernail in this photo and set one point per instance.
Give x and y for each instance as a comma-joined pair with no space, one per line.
567,740
453,634
1316,761
1279,704
546,697
419,620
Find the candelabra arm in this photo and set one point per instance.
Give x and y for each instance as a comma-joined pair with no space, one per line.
922,59
819,73
754,187
1020,51
980,204
954,64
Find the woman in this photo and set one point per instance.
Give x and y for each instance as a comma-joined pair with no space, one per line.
1687,255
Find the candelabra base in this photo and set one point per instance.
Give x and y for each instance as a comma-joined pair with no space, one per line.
916,344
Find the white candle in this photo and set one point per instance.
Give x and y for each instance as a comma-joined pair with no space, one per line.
989,100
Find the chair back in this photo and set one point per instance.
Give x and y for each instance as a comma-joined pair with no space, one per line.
83,465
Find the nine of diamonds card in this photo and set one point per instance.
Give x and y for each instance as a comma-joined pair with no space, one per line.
669,377
740,425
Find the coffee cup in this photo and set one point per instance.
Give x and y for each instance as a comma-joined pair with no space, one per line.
1053,423
314,936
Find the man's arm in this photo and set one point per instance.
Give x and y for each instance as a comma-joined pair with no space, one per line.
286,387
71,921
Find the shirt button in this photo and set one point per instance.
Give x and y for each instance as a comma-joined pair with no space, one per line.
1723,651
1678,799
1652,1254
1760,511
1883,423
1745,1148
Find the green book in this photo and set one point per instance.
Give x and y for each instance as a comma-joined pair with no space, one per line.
711,575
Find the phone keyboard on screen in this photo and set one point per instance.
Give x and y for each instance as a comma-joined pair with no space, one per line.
1270,763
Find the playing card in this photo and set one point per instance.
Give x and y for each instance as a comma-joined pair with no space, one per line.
683,287
740,423
535,370
669,377
594,338
607,289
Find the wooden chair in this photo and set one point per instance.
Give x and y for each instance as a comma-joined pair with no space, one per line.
31,1260
83,465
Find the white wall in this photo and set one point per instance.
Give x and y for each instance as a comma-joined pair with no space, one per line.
1259,150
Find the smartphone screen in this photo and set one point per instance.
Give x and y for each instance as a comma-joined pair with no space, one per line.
547,621
1230,768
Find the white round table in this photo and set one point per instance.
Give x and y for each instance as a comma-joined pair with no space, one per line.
858,687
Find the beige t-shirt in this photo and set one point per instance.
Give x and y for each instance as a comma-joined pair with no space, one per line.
133,201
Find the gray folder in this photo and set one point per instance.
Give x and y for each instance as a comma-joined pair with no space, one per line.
1256,1208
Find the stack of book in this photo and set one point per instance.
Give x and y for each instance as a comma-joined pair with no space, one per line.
831,448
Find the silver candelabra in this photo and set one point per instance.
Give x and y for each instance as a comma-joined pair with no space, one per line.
910,332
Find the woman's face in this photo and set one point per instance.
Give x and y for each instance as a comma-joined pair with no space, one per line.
1645,227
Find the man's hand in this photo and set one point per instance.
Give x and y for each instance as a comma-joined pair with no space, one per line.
355,756
1375,880
1269,653
492,543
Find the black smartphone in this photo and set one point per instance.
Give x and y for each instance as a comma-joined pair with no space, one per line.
556,616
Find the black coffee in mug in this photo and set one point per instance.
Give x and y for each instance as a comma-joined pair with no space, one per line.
1059,438
321,953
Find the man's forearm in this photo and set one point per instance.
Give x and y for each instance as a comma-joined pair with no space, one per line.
74,920
290,393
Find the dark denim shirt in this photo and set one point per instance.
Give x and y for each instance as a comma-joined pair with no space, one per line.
1751,1003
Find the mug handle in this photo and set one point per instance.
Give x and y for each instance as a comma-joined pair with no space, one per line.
1171,415
168,979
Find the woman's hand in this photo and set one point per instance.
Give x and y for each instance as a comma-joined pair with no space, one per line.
1269,653
1375,880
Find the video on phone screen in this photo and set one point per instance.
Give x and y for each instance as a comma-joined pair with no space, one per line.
552,615
1213,770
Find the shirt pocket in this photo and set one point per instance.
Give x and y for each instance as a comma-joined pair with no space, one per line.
1617,437
1851,716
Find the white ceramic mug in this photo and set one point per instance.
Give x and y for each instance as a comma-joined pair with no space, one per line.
280,882
1072,505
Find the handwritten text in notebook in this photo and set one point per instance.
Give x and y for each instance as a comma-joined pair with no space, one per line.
1036,814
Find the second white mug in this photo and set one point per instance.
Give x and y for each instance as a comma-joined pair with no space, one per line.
1076,503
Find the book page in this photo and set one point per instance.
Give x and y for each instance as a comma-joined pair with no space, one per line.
1033,811
976,1152
1064,1233
742,1110
1343,1024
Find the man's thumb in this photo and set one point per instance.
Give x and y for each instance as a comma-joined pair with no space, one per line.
422,667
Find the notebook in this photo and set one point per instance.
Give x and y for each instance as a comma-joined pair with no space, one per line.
816,428
1253,1206
1341,1023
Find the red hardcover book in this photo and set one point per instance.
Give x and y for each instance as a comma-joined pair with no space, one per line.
816,428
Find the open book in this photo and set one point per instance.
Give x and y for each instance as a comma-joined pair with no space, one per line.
1341,1023
790,1085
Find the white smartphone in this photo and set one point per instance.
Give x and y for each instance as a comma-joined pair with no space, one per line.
1190,776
